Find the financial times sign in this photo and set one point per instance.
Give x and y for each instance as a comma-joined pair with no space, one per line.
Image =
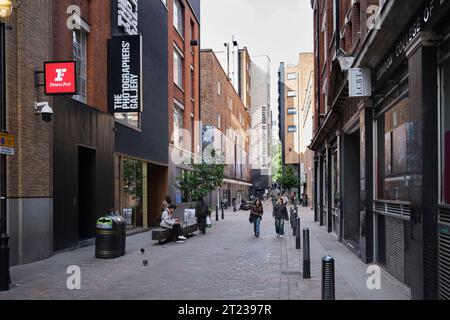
125,74
127,16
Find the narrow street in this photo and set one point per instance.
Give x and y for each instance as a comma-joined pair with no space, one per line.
228,263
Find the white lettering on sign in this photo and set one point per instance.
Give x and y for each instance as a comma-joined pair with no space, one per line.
60,74
129,98
127,16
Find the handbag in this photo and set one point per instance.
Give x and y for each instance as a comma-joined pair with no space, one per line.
250,219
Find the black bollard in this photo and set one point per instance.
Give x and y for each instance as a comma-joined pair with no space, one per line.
5,277
291,217
298,244
217,213
328,286
294,232
223,214
306,255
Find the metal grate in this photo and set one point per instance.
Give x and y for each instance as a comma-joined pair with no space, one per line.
444,214
444,265
395,248
393,208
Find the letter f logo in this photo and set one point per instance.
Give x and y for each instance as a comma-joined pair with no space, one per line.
60,74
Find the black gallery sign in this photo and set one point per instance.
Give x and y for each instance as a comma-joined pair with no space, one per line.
428,15
125,73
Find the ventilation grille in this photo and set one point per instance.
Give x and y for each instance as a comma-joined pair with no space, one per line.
444,215
400,209
444,264
395,248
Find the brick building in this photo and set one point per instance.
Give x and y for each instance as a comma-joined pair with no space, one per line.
381,156
226,123
184,89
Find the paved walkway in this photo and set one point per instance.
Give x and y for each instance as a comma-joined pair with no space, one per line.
227,263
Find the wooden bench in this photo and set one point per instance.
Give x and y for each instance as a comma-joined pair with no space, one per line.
163,234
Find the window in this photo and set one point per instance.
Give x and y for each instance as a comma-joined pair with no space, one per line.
219,122
132,192
192,83
178,17
292,111
164,2
131,118
178,125
177,68
292,93
230,104
292,128
192,30
219,87
79,43
292,76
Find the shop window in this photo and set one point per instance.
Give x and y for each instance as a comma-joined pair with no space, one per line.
445,133
394,129
132,197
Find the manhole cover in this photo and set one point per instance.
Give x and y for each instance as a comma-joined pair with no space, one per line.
291,273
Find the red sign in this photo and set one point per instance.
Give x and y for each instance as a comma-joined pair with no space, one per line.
60,78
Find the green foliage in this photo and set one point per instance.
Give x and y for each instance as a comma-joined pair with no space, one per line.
132,177
277,164
203,178
289,178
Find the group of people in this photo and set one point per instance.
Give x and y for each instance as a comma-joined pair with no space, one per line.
168,220
280,214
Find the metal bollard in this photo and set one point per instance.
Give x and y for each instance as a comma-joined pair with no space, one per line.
223,214
5,277
328,285
294,233
217,213
306,255
298,244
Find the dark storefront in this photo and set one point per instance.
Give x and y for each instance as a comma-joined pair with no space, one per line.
83,170
141,138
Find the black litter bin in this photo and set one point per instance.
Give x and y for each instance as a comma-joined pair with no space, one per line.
110,237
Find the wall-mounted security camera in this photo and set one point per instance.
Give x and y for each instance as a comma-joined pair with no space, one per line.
44,109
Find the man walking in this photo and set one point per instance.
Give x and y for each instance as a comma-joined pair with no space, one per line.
201,211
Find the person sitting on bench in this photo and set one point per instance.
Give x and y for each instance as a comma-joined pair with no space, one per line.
168,222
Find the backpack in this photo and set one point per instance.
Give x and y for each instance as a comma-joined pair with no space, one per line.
159,219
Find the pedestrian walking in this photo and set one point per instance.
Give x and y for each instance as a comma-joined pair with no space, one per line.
168,221
281,215
256,215
201,211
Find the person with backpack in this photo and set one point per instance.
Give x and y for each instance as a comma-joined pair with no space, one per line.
201,211
168,221
280,214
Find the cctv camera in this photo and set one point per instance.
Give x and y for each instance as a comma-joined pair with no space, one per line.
46,111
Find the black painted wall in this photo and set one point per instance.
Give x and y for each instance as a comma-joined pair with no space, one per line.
151,141
75,125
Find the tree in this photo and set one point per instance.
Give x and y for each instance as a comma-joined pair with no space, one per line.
289,178
203,178
277,163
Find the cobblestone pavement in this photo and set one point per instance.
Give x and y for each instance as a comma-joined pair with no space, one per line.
227,263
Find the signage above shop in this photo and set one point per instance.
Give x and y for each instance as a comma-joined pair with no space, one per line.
60,78
7,144
427,17
127,16
125,74
360,82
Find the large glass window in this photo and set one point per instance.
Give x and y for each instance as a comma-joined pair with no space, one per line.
445,133
79,43
178,16
177,68
132,192
393,129
178,126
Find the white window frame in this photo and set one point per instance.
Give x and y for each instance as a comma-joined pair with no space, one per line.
178,109
291,93
178,13
178,73
81,60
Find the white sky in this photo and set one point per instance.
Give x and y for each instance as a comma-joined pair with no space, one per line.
280,29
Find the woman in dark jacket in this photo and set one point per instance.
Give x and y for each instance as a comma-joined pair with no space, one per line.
280,214
201,211
257,213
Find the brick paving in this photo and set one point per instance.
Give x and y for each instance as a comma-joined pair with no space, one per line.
228,263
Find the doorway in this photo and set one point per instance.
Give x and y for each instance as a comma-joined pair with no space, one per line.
352,181
86,193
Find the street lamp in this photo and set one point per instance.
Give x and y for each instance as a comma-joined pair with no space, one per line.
6,9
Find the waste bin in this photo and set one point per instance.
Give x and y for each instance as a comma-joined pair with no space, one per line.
110,237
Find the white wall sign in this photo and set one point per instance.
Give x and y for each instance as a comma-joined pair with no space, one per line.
360,82
127,16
